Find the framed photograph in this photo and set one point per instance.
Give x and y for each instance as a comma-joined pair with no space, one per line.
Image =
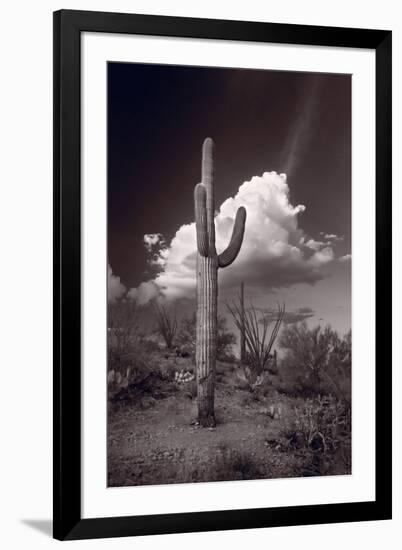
222,274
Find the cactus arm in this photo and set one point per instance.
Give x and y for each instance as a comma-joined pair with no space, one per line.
207,171
200,197
233,248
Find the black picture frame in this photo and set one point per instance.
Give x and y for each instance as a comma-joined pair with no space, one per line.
68,522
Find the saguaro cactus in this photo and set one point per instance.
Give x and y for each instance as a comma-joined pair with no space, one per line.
208,262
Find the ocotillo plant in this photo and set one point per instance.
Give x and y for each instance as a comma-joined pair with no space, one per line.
208,263
259,343
166,323
242,331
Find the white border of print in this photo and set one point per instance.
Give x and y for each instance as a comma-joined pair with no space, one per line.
97,499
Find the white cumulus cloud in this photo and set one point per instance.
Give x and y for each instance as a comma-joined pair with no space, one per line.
115,288
331,237
144,293
275,252
314,245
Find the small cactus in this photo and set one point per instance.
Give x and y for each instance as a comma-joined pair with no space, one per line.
208,262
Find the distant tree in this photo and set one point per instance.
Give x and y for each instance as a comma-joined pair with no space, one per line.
318,354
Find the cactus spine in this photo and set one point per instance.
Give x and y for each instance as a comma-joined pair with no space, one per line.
208,262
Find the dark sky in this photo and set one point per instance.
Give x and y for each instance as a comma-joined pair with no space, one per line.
158,117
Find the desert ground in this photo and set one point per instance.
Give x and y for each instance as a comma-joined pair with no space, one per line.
274,428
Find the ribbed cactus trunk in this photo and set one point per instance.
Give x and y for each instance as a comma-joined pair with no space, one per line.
208,262
207,298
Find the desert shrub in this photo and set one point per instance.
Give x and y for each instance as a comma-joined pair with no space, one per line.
136,369
316,361
186,338
132,359
234,463
225,342
123,332
150,346
320,431
323,420
250,399
247,379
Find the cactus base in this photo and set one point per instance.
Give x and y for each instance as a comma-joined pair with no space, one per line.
205,401
206,421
